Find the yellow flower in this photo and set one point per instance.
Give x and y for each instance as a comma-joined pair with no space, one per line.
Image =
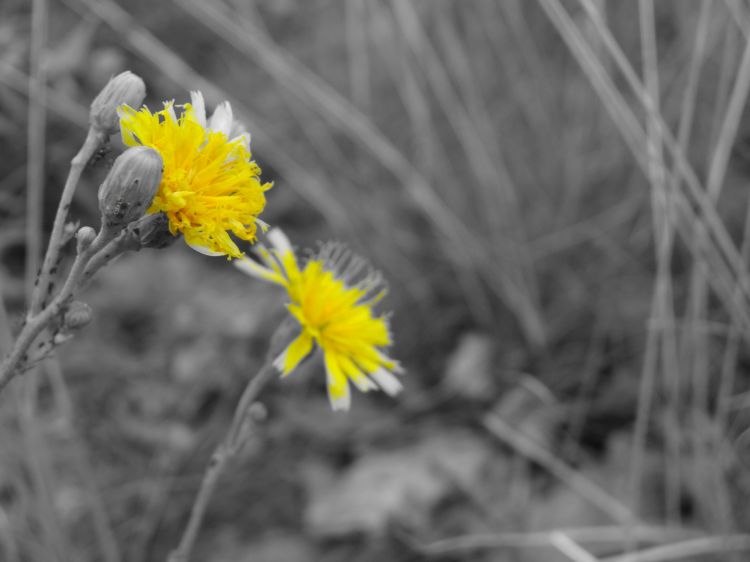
210,185
332,297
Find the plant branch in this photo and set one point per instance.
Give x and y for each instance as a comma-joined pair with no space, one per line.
93,140
9,368
224,452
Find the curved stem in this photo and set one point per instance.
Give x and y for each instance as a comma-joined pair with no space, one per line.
219,459
35,324
93,139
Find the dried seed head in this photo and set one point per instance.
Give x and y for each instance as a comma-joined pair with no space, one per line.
77,315
127,191
125,88
85,236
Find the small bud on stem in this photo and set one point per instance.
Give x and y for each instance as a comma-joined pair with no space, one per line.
77,315
85,236
125,88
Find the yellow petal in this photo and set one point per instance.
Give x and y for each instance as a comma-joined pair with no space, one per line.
338,387
355,375
294,353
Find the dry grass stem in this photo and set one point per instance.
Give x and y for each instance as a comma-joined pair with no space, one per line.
572,478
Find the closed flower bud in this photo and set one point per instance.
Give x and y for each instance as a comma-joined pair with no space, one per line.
127,191
125,88
85,236
77,315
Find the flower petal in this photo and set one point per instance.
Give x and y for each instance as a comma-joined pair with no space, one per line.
205,251
221,120
199,107
294,354
169,109
387,381
356,375
338,386
254,269
279,241
284,253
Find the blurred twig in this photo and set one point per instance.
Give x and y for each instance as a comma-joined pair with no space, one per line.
6,335
571,548
661,347
571,477
35,447
693,203
67,108
102,523
592,536
225,451
36,151
687,549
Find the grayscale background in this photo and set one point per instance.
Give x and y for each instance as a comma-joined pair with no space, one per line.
556,191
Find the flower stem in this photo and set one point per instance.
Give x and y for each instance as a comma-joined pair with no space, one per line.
94,138
35,324
224,452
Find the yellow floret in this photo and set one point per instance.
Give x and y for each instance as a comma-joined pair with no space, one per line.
210,185
333,300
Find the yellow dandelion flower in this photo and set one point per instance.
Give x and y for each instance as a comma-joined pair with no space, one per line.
332,297
210,185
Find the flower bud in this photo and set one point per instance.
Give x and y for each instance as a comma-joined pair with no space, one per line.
85,236
77,315
127,191
125,88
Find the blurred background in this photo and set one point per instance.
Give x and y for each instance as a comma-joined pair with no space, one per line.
557,194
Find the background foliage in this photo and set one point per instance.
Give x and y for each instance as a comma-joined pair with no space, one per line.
569,292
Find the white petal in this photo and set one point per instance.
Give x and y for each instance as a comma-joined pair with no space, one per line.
244,138
387,381
169,106
335,378
239,130
264,226
395,366
363,384
278,363
221,120
254,269
342,403
199,107
203,250
279,241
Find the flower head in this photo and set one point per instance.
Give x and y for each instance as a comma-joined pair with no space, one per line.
332,297
210,185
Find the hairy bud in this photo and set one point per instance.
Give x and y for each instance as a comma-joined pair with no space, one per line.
77,315
125,88
85,236
127,191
